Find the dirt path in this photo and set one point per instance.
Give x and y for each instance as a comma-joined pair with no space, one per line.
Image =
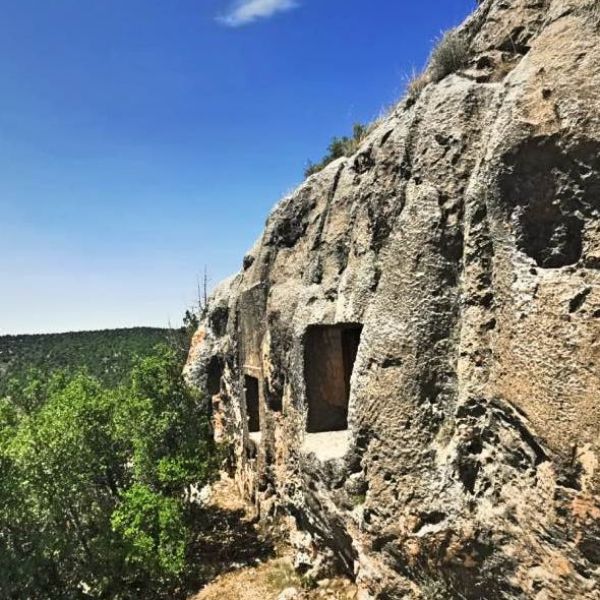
248,565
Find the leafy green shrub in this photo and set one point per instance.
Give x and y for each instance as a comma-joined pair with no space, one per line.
450,54
162,419
95,484
152,529
339,147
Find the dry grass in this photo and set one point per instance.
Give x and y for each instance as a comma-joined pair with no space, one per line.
257,576
266,581
450,54
263,582
281,575
417,82
384,113
437,589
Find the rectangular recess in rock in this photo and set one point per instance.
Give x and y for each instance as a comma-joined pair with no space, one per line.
274,401
329,355
251,395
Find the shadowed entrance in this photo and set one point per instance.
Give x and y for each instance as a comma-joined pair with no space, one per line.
329,355
252,407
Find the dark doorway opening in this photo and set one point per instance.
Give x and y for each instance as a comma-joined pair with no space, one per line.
214,373
274,394
251,395
329,355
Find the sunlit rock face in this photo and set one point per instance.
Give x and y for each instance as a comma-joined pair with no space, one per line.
415,338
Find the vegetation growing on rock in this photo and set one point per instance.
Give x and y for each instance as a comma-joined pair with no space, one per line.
449,55
339,147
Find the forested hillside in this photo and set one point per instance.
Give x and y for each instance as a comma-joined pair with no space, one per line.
107,355
102,445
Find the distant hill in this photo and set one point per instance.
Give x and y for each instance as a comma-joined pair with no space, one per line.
106,354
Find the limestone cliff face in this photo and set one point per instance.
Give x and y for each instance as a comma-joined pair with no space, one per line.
416,334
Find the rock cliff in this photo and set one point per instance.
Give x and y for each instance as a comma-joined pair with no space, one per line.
408,365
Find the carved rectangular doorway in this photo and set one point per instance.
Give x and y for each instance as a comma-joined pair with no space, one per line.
251,394
329,355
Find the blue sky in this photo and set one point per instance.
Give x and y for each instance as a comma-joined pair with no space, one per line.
143,139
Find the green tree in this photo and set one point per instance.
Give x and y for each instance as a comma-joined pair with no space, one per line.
166,423
153,531
190,323
70,473
95,483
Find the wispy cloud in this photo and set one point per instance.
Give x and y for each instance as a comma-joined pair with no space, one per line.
248,11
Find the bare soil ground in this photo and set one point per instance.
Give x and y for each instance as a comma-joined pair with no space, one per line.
247,563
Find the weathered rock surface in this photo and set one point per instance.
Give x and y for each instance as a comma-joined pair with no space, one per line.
464,237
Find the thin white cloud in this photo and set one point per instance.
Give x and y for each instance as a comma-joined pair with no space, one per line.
248,11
